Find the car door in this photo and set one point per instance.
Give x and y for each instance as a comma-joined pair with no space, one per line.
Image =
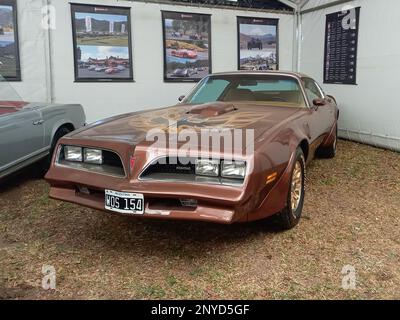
21,136
321,118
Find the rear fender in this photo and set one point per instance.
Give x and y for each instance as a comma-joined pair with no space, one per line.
328,141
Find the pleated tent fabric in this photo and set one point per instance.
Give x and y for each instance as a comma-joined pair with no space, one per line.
369,111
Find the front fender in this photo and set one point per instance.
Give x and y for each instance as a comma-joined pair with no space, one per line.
276,199
277,156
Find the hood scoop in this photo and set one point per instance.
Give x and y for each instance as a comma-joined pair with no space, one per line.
213,109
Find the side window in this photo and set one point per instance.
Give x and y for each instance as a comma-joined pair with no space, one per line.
312,90
210,91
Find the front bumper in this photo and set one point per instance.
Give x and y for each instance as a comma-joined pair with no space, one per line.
202,212
215,203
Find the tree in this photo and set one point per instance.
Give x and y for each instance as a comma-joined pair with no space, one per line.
176,25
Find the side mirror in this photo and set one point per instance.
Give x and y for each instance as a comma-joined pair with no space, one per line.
318,102
180,99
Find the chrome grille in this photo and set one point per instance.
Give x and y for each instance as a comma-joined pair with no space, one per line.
170,166
181,169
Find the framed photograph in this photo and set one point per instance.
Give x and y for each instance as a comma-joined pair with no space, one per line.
187,46
341,47
258,43
102,43
9,50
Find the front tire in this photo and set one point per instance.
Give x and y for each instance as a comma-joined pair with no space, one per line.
289,217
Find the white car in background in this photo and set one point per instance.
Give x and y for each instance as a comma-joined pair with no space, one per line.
29,131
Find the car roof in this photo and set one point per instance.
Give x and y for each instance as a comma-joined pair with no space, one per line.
277,73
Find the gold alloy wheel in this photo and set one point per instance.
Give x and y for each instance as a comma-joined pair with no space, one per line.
297,186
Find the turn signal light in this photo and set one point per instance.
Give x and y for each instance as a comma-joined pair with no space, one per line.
271,178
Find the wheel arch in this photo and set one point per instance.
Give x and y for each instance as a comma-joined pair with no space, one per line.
68,125
59,126
305,148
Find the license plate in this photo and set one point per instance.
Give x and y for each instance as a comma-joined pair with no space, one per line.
124,202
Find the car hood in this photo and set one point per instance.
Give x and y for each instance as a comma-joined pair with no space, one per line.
134,127
7,107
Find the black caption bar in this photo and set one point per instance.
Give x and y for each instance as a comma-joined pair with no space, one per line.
144,309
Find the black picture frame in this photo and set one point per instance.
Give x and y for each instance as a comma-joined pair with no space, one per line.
340,65
16,76
127,62
261,22
187,16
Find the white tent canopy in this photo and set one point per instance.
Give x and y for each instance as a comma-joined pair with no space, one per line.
295,4
368,114
369,111
307,5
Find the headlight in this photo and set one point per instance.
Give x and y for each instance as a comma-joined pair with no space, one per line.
233,169
207,167
72,153
93,156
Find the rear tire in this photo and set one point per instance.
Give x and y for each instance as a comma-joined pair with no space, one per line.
61,132
329,152
289,217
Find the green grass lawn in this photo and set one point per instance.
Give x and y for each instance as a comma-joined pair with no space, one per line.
112,41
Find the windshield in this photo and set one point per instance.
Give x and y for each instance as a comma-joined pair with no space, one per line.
271,89
7,92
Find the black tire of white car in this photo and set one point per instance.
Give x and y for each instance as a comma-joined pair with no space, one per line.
61,132
329,152
289,218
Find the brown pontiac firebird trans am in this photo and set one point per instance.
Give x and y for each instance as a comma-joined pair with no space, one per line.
279,120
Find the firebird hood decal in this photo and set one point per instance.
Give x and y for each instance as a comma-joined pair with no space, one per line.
134,127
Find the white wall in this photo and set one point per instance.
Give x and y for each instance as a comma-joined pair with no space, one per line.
32,47
148,91
370,111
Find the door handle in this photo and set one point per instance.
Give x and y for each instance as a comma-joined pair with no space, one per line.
38,122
